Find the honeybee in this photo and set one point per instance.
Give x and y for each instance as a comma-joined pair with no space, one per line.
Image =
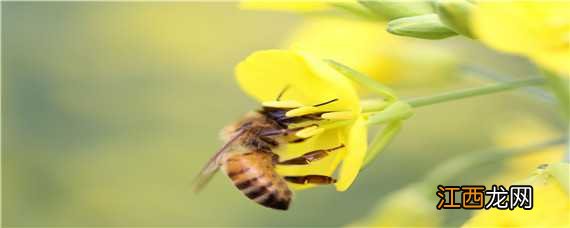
250,154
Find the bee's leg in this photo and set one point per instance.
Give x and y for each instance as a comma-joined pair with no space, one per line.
309,157
269,141
274,158
310,179
276,132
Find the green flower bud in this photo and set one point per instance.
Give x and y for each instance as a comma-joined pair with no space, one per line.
393,9
455,14
425,26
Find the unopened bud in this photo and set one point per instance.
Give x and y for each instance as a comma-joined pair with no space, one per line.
455,14
425,26
393,9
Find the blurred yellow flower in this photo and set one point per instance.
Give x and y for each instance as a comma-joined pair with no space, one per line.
551,205
286,5
526,131
311,81
406,207
539,30
367,47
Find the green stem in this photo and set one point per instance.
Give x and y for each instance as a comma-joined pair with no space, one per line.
473,92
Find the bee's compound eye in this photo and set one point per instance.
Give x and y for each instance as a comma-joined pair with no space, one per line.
282,104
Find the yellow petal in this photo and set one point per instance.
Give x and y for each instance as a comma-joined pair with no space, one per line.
337,85
558,62
539,30
361,44
526,131
551,207
311,81
356,146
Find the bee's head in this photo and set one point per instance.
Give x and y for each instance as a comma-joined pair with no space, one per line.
276,114
286,116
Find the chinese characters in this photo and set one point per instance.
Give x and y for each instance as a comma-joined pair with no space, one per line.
473,197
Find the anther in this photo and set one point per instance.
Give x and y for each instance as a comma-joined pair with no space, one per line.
301,111
342,115
326,102
309,132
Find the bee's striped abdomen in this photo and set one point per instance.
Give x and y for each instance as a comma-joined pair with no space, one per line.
254,175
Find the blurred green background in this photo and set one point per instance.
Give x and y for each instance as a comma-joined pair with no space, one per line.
110,110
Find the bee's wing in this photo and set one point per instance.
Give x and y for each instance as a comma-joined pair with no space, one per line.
213,165
206,174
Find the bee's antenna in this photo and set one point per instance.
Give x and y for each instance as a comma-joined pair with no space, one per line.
326,102
282,92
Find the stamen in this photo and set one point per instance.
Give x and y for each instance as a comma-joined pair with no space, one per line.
304,124
336,124
326,102
282,104
342,115
309,132
282,92
302,111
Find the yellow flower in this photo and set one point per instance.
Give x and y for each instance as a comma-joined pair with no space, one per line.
368,48
551,207
539,30
406,207
285,5
311,81
526,131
